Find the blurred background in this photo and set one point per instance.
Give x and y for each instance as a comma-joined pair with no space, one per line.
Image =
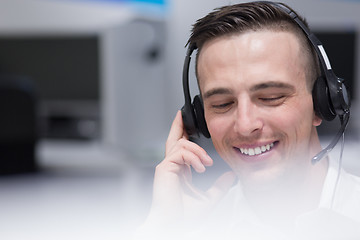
88,91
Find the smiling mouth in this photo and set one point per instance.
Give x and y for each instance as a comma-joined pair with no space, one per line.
256,151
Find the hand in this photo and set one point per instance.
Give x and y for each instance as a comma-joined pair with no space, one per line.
175,198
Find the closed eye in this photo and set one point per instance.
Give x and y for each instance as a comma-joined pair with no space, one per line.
271,98
273,101
223,105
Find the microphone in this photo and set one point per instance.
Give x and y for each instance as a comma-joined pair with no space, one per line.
344,119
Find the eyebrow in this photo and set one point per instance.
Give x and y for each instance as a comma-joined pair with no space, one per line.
266,85
217,91
257,87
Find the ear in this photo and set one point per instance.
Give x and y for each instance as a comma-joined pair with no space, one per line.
316,120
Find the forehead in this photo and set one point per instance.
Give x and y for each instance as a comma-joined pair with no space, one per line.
252,57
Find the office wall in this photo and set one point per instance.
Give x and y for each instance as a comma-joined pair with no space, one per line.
53,16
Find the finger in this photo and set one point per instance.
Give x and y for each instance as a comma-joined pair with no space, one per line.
200,152
175,161
185,145
194,161
176,131
221,186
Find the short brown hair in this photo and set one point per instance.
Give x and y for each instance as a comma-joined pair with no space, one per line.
252,16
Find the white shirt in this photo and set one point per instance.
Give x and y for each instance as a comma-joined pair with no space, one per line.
347,195
337,216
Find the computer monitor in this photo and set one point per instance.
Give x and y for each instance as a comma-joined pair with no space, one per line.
341,49
65,72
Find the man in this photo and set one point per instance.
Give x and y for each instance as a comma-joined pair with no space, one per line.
256,70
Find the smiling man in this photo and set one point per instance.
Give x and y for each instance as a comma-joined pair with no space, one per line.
256,71
258,108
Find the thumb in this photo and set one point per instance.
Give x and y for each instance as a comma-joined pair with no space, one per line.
221,186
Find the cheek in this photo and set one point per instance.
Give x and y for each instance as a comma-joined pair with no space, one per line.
220,129
300,118
218,126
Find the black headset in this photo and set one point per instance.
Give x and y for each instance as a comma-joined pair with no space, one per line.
330,96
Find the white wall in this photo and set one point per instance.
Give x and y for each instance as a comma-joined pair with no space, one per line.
56,16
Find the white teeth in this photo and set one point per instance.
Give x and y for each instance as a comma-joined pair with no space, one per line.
257,150
251,152
263,148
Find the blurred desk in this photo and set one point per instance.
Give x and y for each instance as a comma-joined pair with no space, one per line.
83,191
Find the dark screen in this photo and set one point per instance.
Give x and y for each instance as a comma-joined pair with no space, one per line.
62,68
341,50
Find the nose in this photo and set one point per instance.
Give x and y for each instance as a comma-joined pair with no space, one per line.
247,119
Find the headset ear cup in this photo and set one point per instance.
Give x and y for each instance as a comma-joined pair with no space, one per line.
200,118
189,121
322,102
